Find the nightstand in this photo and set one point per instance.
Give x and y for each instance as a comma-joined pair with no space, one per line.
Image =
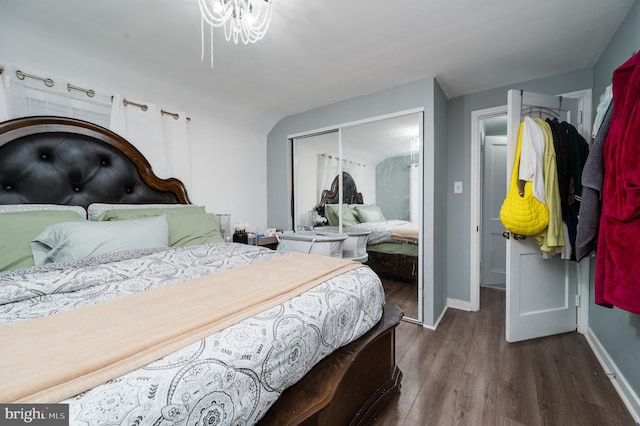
269,242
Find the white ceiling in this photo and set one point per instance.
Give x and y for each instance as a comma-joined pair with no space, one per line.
318,52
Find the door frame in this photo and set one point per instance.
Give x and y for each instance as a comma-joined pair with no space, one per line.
476,201
583,268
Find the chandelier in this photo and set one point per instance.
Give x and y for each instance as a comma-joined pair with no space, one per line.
246,20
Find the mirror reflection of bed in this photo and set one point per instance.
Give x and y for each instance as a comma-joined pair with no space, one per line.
392,244
381,186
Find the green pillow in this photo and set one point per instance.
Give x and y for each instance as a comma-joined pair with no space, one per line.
75,240
96,210
187,226
349,215
18,229
371,213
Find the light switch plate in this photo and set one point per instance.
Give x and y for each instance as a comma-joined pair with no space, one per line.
457,187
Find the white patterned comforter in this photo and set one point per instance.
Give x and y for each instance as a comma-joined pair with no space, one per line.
229,378
381,230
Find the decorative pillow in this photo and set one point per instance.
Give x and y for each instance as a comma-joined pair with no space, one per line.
95,210
16,208
349,215
18,229
371,213
186,226
74,240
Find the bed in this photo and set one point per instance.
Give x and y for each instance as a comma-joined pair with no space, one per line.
139,318
392,245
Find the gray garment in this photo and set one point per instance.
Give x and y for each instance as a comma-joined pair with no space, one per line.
591,204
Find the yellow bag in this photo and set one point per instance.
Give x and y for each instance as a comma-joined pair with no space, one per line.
522,215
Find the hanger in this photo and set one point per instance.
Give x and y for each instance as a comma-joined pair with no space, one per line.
541,112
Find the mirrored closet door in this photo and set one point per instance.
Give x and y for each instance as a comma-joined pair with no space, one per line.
366,179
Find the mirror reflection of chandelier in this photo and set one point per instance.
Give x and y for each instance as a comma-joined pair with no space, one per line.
415,147
246,20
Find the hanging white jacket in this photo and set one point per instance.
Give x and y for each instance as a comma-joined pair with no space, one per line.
531,158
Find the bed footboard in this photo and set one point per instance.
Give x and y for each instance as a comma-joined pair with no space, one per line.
348,387
396,266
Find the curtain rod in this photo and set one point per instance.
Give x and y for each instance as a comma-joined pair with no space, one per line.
344,159
90,92
47,81
144,107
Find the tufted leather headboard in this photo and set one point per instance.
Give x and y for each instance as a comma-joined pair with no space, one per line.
350,194
57,160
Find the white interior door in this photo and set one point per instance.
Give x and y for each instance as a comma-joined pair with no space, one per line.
541,293
493,189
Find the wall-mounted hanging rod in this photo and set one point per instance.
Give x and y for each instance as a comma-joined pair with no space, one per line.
343,159
175,115
90,93
47,81
143,107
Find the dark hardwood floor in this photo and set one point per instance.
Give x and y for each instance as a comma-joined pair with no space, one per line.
465,373
404,294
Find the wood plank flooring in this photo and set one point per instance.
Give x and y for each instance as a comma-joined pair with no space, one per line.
465,373
404,294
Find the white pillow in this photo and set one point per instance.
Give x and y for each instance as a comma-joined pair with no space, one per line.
74,240
370,213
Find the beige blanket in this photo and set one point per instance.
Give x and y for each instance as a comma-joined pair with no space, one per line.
406,233
53,358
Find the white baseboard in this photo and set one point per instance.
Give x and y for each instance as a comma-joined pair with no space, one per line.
462,305
433,327
629,397
451,303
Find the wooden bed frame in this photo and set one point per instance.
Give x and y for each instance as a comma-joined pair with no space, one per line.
56,160
396,266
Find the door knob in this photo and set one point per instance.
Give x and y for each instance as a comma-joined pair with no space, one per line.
507,235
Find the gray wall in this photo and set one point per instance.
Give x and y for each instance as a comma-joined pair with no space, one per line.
459,166
617,330
423,94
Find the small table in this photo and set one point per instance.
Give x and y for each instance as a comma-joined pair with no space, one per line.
269,242
355,247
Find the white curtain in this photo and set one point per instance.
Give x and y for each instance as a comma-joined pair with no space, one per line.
176,134
162,139
327,171
414,193
355,169
4,111
31,96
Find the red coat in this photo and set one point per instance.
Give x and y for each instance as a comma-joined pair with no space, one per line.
617,281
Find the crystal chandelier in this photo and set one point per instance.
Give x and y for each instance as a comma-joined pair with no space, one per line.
246,20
